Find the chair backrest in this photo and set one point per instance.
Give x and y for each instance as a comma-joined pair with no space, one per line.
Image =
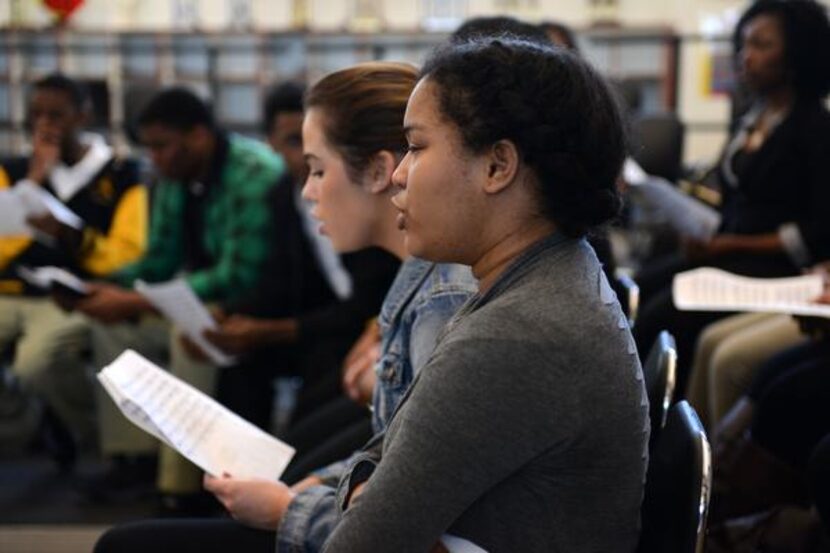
660,374
628,292
678,483
658,144
135,98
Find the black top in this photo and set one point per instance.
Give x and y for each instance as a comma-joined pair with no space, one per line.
196,255
787,180
295,286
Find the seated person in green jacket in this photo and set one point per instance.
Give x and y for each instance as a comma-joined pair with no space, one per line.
210,222
79,170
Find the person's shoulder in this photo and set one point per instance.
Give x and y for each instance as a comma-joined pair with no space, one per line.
125,171
15,167
813,116
253,154
253,168
561,289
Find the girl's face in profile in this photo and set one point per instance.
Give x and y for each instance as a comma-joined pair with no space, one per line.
439,197
343,207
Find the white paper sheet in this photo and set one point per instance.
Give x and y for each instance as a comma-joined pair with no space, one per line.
212,437
177,302
688,216
46,277
709,289
633,173
27,199
13,215
39,201
454,544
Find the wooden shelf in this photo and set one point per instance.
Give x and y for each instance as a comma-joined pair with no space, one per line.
237,68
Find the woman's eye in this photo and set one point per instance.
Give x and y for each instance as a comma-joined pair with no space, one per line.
317,174
412,148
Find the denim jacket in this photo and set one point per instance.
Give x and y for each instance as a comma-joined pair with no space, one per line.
423,297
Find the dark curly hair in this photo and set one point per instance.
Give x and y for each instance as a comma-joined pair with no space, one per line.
176,108
495,27
553,106
75,91
806,41
285,97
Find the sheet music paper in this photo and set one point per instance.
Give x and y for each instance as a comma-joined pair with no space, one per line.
709,289
177,302
212,437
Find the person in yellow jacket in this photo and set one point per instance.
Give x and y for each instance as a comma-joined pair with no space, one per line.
81,171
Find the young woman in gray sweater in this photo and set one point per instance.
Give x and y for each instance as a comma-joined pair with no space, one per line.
527,429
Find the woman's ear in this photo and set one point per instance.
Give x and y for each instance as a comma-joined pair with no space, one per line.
379,172
502,166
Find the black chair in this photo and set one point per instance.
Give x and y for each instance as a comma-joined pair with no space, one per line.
659,373
658,144
629,295
678,484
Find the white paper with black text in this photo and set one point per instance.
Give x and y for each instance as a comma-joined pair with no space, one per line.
709,289
208,434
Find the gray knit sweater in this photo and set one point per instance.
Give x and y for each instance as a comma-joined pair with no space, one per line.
526,431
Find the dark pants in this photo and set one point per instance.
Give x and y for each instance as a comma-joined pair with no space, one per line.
819,479
184,536
330,434
792,393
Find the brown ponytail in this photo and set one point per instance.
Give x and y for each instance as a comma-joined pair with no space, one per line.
363,108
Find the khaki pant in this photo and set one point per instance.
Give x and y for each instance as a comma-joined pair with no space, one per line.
728,354
49,346
154,338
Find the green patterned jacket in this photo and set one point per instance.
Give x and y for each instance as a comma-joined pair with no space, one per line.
237,223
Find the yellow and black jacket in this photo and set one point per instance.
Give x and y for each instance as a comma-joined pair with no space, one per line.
113,206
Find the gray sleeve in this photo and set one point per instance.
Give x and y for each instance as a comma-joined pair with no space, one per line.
794,244
447,448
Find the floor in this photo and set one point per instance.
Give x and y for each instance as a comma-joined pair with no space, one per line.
41,511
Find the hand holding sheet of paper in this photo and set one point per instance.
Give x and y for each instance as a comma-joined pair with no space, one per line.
38,201
211,436
27,199
177,302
